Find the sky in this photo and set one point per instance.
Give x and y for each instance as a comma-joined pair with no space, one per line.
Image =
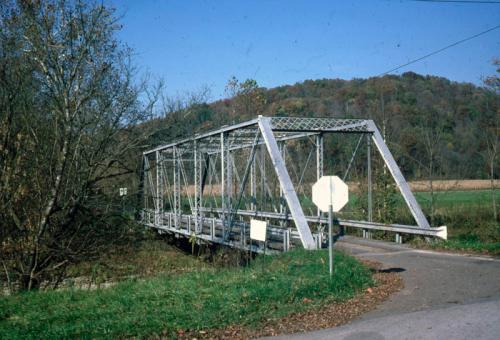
197,44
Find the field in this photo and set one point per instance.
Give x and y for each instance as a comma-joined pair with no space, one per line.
454,199
167,305
458,185
468,216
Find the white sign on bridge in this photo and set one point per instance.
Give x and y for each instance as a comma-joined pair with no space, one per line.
330,190
258,230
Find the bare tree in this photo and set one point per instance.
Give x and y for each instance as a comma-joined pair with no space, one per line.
182,104
490,132
431,133
67,134
247,98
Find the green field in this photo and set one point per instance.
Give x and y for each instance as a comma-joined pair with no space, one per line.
468,216
446,199
271,287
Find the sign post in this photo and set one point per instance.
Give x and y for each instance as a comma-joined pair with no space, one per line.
330,238
330,194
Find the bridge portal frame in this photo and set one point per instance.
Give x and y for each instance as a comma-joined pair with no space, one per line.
270,135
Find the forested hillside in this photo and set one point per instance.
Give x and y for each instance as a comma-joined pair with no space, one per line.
432,125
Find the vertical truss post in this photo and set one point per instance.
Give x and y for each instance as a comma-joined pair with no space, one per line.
282,149
198,180
229,178
176,187
366,232
319,160
144,186
369,175
286,182
253,186
223,185
159,191
401,183
151,191
262,177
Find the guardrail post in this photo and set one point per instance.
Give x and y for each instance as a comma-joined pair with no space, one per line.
286,240
367,234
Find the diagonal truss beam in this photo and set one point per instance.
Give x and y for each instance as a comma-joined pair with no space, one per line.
286,183
403,186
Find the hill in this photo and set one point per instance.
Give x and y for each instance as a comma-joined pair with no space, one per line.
434,126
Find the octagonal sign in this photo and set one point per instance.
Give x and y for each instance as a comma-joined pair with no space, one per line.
330,190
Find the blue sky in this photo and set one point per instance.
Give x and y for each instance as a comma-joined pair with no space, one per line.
191,44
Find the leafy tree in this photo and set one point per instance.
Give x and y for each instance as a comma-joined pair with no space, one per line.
68,105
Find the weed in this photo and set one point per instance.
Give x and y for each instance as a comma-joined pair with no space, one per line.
271,287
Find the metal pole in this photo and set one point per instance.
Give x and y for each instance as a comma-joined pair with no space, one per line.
282,148
366,232
197,186
229,179
223,179
369,167
330,238
262,176
199,181
319,160
158,188
177,188
145,171
253,186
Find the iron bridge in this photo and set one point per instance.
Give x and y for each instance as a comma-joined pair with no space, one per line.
210,186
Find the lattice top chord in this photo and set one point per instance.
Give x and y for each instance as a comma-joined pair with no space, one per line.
241,135
319,124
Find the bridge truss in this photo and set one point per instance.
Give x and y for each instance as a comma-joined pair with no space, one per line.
210,185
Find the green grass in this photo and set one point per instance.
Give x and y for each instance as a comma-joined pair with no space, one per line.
148,257
445,199
273,286
466,243
492,248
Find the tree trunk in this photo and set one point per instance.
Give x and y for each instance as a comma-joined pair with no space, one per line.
48,210
493,193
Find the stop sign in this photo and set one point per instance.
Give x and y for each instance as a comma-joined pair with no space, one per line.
330,190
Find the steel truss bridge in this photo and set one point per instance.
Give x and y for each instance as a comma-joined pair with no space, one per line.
210,185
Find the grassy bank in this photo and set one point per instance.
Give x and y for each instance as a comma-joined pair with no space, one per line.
469,244
469,217
148,257
270,287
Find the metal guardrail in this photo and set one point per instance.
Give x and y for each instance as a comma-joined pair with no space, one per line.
211,229
440,232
